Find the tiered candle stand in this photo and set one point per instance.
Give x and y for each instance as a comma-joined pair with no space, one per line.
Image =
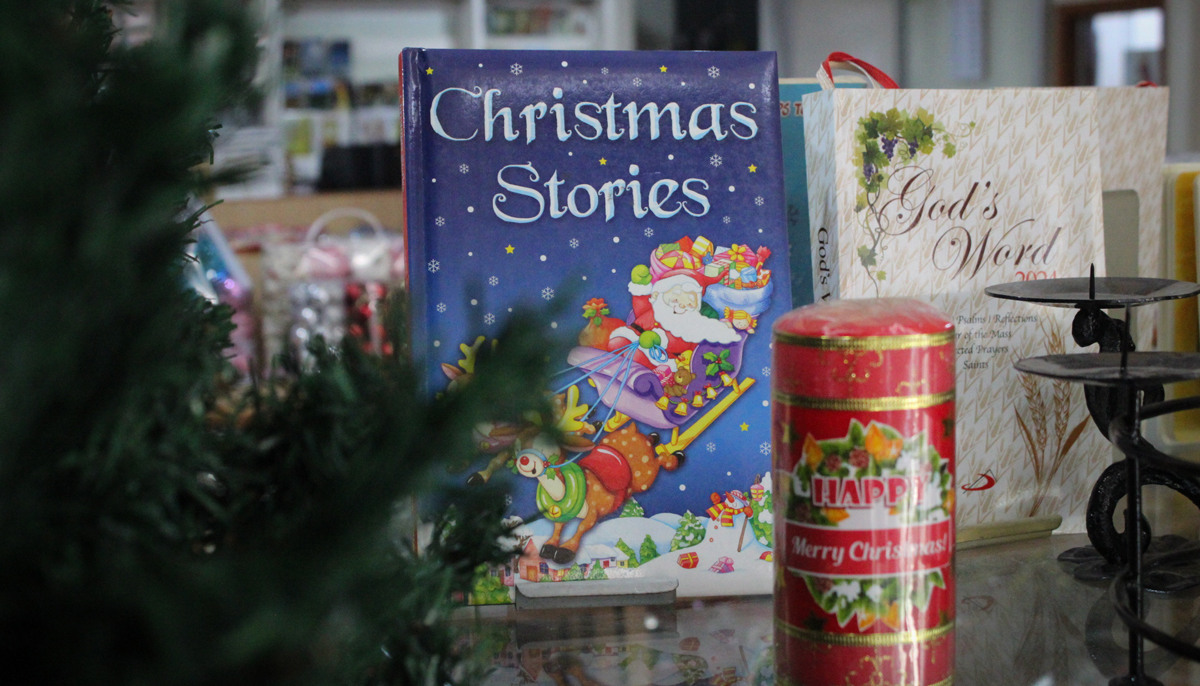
1123,388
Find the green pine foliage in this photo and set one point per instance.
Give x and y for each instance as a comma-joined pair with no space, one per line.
763,529
689,533
575,573
624,547
632,509
597,573
649,549
149,537
488,589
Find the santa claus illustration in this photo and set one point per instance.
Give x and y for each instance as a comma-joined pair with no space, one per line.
670,318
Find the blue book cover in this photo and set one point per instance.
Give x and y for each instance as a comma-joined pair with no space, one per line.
795,181
649,185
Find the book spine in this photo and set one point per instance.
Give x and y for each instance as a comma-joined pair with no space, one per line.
819,132
412,151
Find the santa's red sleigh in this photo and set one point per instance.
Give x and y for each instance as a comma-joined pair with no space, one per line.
637,392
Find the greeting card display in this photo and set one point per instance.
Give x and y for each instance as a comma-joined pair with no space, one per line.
937,193
648,186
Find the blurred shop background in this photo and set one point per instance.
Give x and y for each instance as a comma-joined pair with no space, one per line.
329,117
325,133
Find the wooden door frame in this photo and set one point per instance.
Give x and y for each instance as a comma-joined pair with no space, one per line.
1063,19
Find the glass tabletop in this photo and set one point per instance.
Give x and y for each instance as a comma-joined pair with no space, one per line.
1023,620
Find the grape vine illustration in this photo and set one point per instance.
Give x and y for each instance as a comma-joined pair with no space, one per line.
888,142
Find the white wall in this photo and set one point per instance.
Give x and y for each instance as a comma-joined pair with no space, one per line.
655,23
806,31
1183,75
1017,54
1014,38
379,29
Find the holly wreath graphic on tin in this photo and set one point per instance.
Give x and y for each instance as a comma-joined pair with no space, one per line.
873,476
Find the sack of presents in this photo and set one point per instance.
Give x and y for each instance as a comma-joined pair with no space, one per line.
742,282
330,286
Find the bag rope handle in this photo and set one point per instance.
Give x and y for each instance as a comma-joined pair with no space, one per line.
840,60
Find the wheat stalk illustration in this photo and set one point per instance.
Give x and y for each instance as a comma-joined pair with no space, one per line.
1035,427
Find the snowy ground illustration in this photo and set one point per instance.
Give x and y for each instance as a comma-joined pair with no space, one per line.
750,574
727,560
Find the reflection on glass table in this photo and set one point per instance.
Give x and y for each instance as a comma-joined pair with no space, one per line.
1023,620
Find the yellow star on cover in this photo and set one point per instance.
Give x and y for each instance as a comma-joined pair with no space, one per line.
508,249
753,168
744,426
429,70
603,161
662,69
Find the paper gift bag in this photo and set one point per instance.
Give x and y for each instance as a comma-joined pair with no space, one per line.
1131,166
937,194
1131,169
1131,163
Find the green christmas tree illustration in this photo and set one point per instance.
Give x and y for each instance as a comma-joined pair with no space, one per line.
690,532
763,529
624,547
488,589
649,550
632,509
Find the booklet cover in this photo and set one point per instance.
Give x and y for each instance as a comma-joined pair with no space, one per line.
795,179
650,186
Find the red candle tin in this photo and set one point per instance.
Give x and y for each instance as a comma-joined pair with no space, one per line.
863,431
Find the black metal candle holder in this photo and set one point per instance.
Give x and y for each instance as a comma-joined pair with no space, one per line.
1123,388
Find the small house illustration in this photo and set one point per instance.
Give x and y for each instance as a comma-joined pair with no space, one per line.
530,565
605,556
506,573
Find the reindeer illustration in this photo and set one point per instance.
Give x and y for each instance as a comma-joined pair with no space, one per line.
623,463
497,439
594,486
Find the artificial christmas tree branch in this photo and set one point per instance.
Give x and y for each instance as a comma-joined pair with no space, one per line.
157,527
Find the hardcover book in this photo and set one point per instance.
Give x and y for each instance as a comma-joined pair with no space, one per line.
649,186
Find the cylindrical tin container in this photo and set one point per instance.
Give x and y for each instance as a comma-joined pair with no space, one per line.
863,431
